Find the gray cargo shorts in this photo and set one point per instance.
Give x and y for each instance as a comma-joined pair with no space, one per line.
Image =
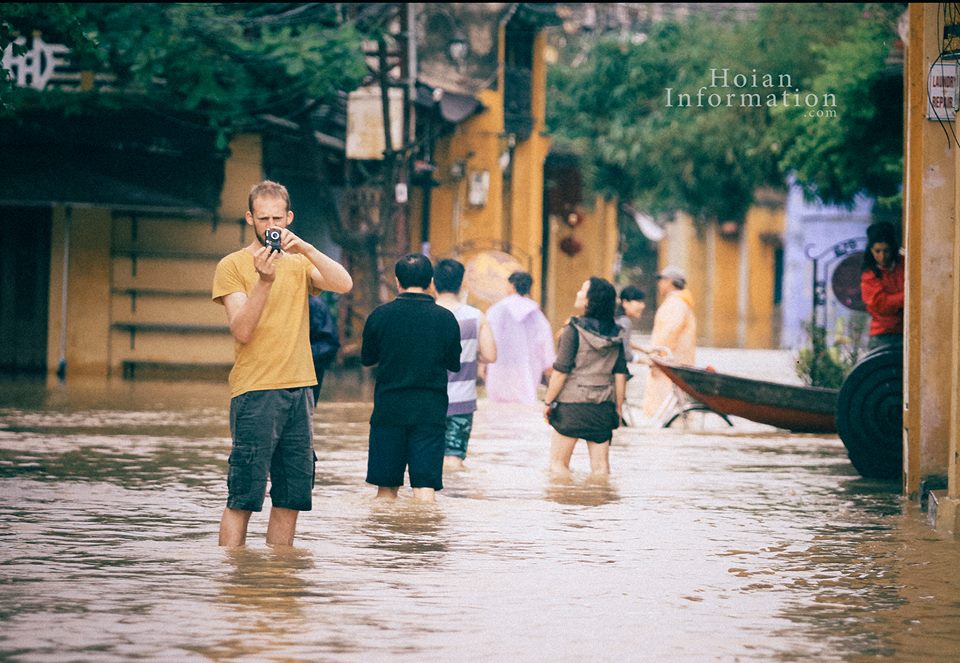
272,435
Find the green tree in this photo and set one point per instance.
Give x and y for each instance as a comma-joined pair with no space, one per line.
626,109
225,64
666,153
60,22
861,148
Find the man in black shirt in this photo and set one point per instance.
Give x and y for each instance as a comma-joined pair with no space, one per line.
414,342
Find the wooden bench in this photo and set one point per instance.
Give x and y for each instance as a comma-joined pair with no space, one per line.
161,370
135,255
152,327
135,293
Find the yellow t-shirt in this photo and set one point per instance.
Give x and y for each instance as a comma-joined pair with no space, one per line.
278,356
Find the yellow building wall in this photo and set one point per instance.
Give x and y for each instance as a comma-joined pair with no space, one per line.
242,170
88,291
598,235
162,272
932,312
528,180
691,250
512,216
724,291
475,146
482,138
731,278
762,232
139,285
698,264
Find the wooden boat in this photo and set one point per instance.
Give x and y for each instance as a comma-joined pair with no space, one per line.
795,408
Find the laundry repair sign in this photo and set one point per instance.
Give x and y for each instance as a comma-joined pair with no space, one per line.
942,91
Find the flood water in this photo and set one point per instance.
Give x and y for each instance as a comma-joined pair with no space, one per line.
731,544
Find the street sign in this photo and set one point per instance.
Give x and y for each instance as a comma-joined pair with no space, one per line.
942,91
37,66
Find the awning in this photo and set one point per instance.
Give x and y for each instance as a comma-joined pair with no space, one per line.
650,228
122,161
71,184
452,106
456,108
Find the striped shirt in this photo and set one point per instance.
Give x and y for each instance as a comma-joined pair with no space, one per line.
462,385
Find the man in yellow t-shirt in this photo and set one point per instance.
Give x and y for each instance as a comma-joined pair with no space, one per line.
264,289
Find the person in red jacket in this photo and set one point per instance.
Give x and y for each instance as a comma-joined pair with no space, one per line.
881,285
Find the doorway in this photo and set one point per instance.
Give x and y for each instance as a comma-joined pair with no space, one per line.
24,288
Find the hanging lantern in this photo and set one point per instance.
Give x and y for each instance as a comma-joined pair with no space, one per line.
571,245
729,229
573,218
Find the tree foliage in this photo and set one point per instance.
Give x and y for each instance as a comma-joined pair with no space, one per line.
621,108
861,149
225,64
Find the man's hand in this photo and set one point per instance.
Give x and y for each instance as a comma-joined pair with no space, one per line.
264,261
644,352
290,243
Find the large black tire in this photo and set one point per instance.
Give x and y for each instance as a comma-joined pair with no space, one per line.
870,414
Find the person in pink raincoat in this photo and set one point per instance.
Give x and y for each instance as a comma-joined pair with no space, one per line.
525,349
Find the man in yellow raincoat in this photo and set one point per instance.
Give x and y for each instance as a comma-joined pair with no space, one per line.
674,329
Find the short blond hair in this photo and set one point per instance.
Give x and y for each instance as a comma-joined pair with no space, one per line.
268,189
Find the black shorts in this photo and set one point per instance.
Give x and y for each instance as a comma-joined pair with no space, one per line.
593,422
394,448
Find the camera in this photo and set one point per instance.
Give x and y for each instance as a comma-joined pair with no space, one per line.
271,239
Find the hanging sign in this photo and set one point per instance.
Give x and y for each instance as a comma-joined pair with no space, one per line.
846,282
942,91
365,139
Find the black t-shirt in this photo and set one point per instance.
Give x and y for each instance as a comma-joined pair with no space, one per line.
415,342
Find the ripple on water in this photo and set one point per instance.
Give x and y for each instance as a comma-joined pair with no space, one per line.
744,544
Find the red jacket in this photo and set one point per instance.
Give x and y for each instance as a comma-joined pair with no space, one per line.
883,296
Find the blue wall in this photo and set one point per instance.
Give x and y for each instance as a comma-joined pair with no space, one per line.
812,228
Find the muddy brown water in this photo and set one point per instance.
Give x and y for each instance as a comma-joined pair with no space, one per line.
732,544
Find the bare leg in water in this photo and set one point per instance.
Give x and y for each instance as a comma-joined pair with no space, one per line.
599,458
561,450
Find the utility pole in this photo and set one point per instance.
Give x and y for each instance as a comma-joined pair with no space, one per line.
394,204
389,174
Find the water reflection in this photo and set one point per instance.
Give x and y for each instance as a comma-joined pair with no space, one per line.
264,592
873,590
411,529
270,581
719,545
594,490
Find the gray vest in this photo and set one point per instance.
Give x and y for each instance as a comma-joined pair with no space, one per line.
591,380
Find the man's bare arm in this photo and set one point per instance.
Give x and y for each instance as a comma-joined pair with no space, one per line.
486,344
328,274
